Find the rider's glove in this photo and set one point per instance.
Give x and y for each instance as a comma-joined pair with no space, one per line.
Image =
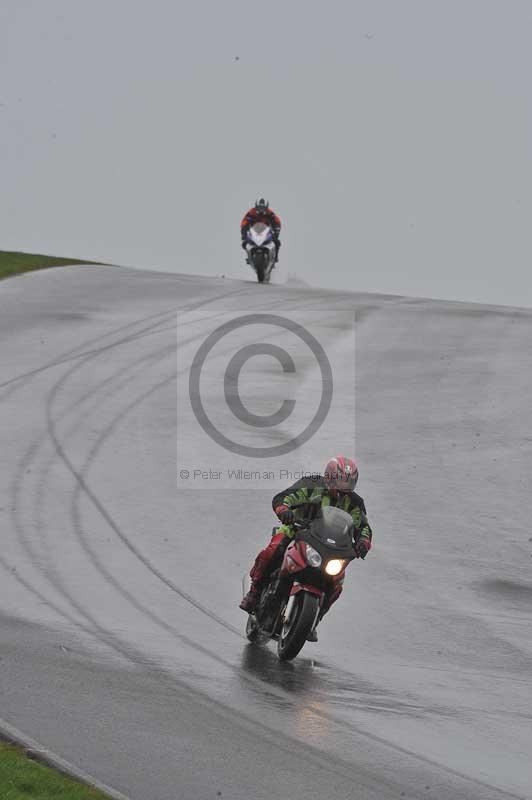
285,514
244,243
312,508
362,547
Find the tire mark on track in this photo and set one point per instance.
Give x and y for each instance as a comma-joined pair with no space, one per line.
18,380
69,355
16,491
154,570
83,486
150,329
21,381
18,486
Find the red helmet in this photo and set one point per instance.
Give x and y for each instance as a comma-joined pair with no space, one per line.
341,475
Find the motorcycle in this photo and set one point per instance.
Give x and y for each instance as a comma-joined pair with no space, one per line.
261,250
295,592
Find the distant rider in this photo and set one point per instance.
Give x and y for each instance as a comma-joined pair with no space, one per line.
261,212
335,488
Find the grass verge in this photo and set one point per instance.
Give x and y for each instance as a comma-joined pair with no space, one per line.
12,263
22,778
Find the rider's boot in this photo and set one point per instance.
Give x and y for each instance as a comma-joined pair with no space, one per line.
262,568
249,602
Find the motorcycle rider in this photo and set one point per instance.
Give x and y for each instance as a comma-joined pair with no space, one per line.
261,212
335,488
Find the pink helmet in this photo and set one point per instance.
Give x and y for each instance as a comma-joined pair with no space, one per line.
341,475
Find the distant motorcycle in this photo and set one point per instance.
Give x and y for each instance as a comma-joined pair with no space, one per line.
260,250
291,602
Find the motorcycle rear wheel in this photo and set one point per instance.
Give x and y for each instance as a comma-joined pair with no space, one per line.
294,634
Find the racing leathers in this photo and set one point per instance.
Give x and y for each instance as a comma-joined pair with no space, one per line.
296,504
268,217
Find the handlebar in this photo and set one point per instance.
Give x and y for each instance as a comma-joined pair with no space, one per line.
299,525
315,502
315,507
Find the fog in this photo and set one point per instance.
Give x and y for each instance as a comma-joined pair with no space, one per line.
393,138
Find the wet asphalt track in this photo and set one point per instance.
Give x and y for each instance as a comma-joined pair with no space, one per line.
121,645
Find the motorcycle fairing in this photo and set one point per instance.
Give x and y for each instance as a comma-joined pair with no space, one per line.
259,234
295,557
306,587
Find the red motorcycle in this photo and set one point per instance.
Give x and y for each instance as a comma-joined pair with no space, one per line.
291,601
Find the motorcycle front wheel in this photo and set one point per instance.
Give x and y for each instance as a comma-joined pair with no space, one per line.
259,262
294,632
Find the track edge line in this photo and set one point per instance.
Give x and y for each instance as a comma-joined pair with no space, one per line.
46,756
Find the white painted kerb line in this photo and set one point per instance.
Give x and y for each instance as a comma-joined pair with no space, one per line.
17,737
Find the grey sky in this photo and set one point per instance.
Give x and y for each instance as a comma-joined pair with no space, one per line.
394,138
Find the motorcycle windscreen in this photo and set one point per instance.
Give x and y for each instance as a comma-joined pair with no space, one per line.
260,233
334,526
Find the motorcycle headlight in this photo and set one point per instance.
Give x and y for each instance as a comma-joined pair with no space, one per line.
334,566
313,557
